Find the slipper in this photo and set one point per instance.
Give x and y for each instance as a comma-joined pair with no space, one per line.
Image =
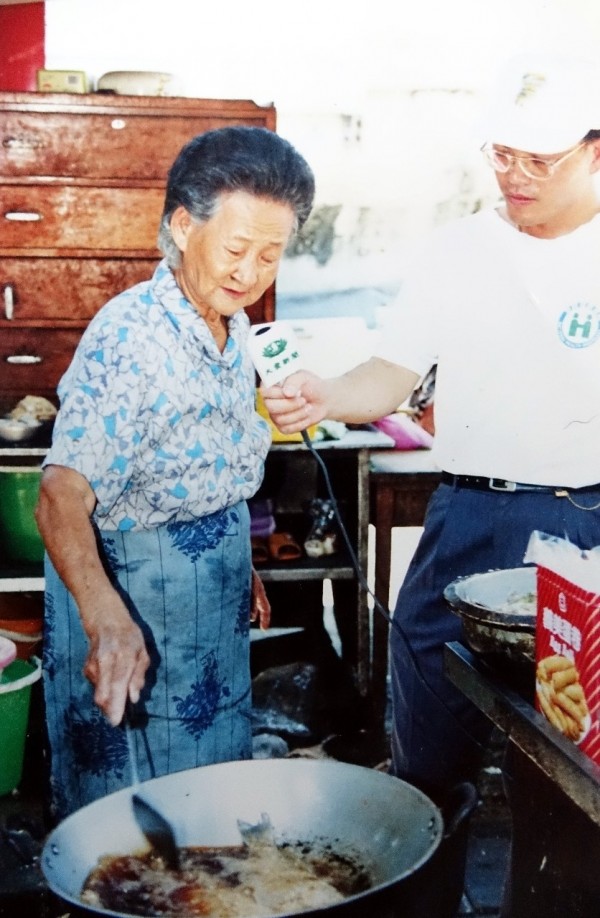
260,550
326,545
283,547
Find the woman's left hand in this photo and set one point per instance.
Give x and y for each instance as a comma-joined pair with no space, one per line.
260,609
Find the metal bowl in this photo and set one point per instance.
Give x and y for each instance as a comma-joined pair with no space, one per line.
13,430
498,610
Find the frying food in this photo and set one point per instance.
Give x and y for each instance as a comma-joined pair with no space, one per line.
255,879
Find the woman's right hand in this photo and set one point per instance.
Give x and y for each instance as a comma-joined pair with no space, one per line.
117,660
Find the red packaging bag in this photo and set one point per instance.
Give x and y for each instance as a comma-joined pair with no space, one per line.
568,639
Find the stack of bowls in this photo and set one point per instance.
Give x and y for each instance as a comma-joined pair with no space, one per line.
15,430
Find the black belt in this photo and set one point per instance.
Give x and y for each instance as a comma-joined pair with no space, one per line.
479,483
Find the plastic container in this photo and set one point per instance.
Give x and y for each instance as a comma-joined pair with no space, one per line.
15,697
19,490
21,620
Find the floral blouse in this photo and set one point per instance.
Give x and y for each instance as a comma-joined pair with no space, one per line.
161,424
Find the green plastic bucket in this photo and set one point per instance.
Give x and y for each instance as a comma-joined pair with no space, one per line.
19,491
16,680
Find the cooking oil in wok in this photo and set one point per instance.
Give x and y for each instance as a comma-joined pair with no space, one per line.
255,879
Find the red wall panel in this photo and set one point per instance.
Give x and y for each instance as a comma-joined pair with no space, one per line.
21,45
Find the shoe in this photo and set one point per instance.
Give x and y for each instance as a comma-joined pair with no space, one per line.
260,550
322,538
283,547
326,545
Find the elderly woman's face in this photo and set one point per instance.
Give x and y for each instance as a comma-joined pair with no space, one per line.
229,261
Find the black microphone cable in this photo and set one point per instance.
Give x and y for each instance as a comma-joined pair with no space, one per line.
379,606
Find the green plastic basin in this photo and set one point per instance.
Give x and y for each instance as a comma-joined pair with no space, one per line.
19,535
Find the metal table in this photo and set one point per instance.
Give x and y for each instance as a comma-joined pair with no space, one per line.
553,791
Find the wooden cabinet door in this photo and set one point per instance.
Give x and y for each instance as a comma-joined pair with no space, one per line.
73,217
122,145
72,289
32,360
95,137
59,290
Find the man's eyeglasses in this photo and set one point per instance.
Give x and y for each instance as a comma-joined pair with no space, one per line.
531,166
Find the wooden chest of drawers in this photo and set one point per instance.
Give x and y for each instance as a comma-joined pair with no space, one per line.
81,192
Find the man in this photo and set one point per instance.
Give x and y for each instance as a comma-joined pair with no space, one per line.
507,304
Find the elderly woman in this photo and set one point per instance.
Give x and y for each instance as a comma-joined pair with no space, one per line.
156,448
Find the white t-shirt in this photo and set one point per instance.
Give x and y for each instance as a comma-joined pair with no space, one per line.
513,323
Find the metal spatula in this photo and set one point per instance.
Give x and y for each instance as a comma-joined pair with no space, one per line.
153,824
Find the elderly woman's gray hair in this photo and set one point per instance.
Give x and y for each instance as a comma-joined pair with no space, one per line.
254,160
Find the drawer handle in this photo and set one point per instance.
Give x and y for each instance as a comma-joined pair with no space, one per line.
9,302
22,216
23,359
22,142
117,124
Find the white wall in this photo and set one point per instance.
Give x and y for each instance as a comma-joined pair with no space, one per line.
380,97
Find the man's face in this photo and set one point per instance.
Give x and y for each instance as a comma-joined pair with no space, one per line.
229,261
532,203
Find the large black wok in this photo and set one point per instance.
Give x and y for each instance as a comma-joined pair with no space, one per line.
390,826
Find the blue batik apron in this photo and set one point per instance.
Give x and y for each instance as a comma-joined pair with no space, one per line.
188,586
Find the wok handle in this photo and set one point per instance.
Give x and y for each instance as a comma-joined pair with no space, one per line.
458,807
436,889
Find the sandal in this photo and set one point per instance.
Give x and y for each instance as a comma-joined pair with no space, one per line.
260,550
322,538
283,547
324,545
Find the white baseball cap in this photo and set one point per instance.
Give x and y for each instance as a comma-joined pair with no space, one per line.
543,103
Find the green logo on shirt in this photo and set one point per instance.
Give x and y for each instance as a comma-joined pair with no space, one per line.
579,325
